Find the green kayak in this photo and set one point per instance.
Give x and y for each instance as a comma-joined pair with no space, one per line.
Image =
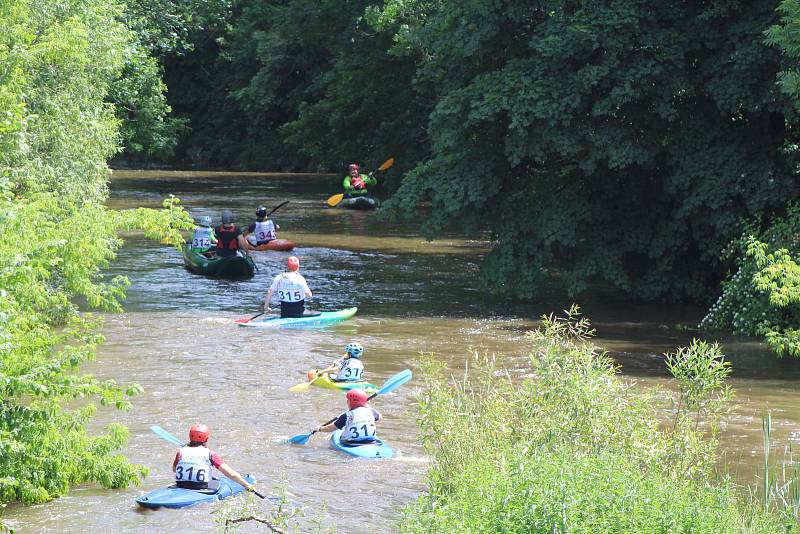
239,266
325,382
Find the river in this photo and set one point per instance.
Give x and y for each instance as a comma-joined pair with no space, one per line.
177,340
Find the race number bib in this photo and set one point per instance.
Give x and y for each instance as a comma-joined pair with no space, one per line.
290,295
361,432
191,473
352,373
201,242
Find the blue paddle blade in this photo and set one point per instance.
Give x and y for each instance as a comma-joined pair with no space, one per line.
163,434
395,382
300,439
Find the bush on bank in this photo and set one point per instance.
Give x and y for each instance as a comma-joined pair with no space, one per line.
58,62
573,448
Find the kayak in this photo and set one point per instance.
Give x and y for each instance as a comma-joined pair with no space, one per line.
359,203
239,266
310,320
368,450
175,497
275,244
325,382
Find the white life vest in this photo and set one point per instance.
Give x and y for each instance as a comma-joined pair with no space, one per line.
264,231
351,371
202,237
194,465
360,425
290,287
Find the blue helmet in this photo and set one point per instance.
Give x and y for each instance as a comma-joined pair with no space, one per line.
354,349
205,220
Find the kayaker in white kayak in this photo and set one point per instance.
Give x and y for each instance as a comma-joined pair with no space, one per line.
263,230
348,368
358,423
229,236
203,236
355,184
194,461
292,290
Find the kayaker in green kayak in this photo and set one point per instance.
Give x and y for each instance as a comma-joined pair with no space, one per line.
194,462
291,288
229,236
358,422
203,236
348,368
355,184
262,231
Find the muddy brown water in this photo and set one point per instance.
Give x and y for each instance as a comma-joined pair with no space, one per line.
177,340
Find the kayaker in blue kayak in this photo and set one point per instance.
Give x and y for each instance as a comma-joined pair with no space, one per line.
193,463
203,236
348,368
292,290
355,184
229,236
358,422
263,230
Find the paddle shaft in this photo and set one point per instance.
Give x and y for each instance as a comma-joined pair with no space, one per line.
276,208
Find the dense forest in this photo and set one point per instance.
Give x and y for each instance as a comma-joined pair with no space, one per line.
617,144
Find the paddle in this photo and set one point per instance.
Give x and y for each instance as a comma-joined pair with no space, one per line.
276,208
335,199
248,319
390,385
302,388
163,434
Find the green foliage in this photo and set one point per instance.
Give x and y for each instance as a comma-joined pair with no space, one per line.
700,371
761,296
618,142
60,60
571,449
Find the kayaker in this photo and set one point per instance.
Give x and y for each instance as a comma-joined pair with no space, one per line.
355,184
203,236
348,368
291,288
358,422
262,231
229,236
194,461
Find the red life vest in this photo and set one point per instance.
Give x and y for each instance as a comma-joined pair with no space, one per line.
357,182
226,238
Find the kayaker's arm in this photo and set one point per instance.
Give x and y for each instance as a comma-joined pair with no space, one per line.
268,299
240,239
233,475
327,428
338,424
334,367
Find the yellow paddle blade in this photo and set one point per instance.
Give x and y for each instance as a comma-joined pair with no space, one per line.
300,388
335,199
386,164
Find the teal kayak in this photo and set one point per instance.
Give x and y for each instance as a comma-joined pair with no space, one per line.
311,320
175,497
239,266
367,450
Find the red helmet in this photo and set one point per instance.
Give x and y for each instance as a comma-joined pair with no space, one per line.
356,397
293,263
353,166
199,433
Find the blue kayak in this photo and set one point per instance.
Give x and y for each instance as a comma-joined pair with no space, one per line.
175,497
311,320
368,450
